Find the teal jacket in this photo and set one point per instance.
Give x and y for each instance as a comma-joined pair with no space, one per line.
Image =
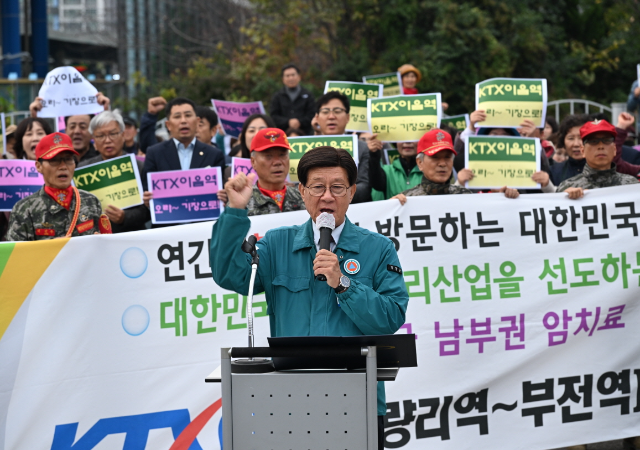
297,303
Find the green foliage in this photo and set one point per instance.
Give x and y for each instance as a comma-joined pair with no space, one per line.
585,49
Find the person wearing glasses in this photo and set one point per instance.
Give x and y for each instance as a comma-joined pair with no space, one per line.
58,209
108,129
332,117
599,152
364,292
270,159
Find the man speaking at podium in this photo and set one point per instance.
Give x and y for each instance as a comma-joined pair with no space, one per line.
364,292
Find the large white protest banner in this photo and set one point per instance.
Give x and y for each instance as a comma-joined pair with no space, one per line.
66,92
525,313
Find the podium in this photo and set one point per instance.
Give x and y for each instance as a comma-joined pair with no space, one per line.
315,392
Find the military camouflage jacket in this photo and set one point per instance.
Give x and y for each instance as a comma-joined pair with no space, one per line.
591,178
261,204
39,217
428,187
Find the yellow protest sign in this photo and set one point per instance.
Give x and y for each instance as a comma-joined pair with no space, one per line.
510,101
114,181
357,93
498,161
404,118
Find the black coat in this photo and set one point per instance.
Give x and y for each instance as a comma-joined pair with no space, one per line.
164,156
303,108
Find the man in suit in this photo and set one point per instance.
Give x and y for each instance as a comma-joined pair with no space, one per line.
183,151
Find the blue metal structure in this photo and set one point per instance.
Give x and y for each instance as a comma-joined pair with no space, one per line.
39,37
11,37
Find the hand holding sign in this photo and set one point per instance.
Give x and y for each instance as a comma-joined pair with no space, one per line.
65,92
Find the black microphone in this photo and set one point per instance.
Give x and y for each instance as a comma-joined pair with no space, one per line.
326,223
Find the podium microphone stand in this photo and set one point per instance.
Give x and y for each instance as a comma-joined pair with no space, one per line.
317,392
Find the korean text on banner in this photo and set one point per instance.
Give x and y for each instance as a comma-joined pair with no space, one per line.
181,196
459,122
301,145
114,181
18,179
509,101
525,313
65,92
404,118
358,93
391,82
243,165
233,114
498,161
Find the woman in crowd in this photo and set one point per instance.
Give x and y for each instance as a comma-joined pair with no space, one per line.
252,125
30,131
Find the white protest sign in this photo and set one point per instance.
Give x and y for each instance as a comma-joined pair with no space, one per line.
66,92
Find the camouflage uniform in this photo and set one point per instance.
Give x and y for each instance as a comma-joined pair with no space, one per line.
34,217
591,178
261,204
428,187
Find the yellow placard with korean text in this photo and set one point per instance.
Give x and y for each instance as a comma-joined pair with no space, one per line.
357,93
498,161
510,101
301,145
404,118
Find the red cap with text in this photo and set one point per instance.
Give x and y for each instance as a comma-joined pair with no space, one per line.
52,144
435,141
597,126
268,138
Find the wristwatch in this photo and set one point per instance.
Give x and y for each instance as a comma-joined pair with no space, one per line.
344,284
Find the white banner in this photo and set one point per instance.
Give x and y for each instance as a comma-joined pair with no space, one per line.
524,313
65,92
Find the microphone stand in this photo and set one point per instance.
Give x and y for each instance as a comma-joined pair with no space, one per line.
249,246
251,365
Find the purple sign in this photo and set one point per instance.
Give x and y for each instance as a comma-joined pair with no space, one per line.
233,114
181,196
18,179
242,165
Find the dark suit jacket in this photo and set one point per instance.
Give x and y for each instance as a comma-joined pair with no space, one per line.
164,156
303,108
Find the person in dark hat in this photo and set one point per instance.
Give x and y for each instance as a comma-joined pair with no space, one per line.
435,160
599,171
58,209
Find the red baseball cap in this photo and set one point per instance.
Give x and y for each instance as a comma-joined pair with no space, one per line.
597,126
435,141
268,138
52,144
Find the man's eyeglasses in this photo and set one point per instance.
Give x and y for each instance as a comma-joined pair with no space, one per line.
596,141
112,136
337,190
335,111
55,162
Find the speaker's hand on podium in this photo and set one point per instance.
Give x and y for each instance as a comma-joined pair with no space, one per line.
239,190
326,263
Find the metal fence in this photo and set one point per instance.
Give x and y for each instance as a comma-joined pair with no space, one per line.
577,106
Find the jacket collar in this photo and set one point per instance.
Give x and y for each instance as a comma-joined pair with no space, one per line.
594,173
348,238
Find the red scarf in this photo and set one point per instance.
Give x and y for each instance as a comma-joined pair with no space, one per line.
61,196
277,196
410,91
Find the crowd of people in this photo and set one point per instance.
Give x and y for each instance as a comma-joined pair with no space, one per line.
582,152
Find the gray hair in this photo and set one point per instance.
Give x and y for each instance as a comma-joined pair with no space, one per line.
105,118
420,156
